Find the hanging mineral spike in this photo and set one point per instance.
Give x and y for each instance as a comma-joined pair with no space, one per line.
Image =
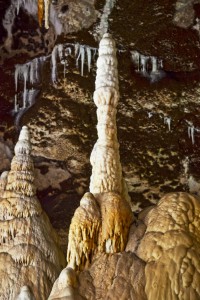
40,11
105,159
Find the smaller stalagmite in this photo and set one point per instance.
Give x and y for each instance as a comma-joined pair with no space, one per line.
28,242
65,287
84,232
101,223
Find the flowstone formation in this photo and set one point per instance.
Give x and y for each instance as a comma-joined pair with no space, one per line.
102,221
170,248
161,260
30,257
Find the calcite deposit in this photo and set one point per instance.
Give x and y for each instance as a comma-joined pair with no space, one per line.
29,247
170,248
104,212
161,260
84,233
65,287
105,160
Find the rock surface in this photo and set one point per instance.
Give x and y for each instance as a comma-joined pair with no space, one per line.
160,263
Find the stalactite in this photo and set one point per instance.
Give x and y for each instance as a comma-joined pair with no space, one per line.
81,56
148,66
167,120
191,130
89,57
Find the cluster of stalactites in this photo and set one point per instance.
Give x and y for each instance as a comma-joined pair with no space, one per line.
21,176
43,12
105,159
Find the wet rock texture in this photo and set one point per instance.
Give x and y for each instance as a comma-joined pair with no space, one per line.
161,259
155,160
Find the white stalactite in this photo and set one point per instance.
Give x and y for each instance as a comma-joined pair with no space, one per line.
89,57
154,63
191,130
167,120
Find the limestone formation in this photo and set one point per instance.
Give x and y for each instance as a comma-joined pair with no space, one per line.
161,261
102,221
170,248
83,234
116,219
29,247
105,159
65,287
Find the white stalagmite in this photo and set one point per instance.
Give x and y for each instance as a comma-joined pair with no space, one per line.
65,287
105,159
28,242
102,221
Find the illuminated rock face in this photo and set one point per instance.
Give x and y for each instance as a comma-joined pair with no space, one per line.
28,244
161,260
170,248
102,221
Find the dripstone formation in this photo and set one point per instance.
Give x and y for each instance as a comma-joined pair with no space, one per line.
104,213
159,259
30,256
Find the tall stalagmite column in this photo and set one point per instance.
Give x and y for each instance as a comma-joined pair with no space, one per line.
105,159
101,223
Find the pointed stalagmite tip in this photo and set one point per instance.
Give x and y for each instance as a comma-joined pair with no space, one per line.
24,134
23,145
